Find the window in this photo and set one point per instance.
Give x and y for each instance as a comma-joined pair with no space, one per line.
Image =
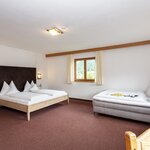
84,69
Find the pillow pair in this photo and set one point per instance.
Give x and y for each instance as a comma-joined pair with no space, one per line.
8,89
30,87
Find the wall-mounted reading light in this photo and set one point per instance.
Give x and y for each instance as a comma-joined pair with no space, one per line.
39,76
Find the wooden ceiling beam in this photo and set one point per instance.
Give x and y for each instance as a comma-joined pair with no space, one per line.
125,45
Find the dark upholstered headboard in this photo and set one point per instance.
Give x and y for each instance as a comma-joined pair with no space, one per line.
18,74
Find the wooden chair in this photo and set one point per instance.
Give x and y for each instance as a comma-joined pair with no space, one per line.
141,142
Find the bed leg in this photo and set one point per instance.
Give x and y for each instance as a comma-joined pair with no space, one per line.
95,113
68,100
28,116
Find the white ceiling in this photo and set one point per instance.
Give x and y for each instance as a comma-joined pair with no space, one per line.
90,23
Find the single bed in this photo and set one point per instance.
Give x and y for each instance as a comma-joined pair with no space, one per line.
127,104
20,75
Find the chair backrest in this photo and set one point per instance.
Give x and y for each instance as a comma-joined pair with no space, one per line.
131,141
142,142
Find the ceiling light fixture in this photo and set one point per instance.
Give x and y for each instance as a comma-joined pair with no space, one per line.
55,31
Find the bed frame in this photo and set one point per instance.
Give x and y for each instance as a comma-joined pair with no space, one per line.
20,75
121,110
31,108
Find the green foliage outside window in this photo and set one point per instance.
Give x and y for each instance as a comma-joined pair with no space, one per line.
85,66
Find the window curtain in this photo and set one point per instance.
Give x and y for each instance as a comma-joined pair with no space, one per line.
98,77
70,69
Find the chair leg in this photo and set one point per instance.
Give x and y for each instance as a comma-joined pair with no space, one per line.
68,100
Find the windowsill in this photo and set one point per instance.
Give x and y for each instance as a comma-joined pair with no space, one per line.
91,81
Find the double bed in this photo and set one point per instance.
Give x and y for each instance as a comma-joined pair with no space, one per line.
127,104
27,101
30,105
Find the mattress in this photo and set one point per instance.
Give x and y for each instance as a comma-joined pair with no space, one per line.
133,98
29,98
122,113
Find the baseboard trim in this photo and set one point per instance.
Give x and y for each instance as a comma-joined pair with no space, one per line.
80,99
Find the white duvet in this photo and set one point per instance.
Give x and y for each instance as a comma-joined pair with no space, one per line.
123,97
50,92
29,96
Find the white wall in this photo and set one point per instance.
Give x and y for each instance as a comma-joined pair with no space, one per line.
17,57
41,65
127,68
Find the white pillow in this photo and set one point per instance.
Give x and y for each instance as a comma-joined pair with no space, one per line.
12,88
148,92
4,89
27,87
34,88
32,84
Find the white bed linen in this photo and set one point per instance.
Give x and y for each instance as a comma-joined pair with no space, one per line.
106,96
55,93
29,96
30,102
25,101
